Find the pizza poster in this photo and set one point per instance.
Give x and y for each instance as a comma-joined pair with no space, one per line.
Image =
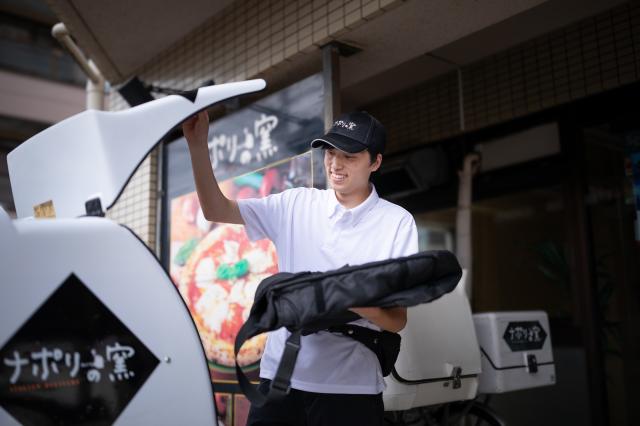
217,269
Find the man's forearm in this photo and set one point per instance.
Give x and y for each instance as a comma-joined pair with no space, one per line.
390,319
215,206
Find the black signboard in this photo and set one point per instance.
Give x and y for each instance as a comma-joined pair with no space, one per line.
72,362
274,128
524,335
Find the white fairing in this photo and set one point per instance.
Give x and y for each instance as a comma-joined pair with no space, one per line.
36,256
94,153
507,369
438,337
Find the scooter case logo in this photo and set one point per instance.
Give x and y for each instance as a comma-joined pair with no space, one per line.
524,335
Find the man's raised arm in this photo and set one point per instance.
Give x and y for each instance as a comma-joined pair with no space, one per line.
215,206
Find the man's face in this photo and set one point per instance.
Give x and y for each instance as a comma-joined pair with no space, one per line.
349,173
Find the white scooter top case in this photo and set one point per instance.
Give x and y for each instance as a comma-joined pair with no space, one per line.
94,154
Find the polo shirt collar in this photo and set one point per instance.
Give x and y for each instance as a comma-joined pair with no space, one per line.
357,212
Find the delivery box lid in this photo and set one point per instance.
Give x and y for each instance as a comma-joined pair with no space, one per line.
90,157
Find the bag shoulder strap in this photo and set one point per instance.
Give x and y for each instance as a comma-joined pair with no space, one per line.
281,383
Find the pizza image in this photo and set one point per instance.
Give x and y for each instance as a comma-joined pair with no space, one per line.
218,283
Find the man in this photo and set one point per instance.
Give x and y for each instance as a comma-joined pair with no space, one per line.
336,380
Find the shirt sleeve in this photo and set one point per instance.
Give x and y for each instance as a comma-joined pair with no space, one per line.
406,241
263,216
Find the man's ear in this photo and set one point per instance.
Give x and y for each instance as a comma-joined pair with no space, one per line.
376,164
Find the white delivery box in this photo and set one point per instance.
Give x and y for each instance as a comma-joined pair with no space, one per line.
439,360
516,351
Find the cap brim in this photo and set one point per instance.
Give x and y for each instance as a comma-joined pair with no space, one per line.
340,142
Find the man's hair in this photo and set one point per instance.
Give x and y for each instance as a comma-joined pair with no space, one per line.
372,156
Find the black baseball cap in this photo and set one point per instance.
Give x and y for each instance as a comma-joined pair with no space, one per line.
354,132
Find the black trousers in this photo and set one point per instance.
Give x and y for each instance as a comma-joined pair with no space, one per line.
300,408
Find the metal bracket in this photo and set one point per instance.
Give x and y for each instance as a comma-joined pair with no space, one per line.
457,380
532,363
93,207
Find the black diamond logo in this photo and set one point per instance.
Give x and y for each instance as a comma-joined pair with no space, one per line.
524,335
72,362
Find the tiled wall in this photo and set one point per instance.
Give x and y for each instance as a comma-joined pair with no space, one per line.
137,206
246,39
588,57
253,36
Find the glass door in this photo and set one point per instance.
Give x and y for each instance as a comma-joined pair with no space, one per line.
612,161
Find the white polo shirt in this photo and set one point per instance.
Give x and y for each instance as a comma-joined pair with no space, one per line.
312,231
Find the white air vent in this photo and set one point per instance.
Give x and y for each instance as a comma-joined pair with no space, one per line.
536,142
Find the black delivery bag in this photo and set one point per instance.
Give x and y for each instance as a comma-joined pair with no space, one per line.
306,302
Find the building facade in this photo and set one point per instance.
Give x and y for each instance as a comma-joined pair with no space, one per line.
545,91
39,83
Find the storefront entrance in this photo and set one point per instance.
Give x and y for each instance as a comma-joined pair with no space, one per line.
612,165
561,234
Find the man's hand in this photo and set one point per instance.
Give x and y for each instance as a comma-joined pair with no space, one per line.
390,319
196,129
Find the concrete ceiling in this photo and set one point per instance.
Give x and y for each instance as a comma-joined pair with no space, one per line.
398,45
418,27
394,60
122,35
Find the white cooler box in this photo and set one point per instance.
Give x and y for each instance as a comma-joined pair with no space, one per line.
516,351
439,360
